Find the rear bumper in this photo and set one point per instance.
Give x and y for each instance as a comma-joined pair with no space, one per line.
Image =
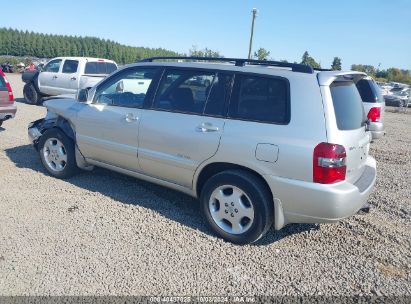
307,202
8,111
376,129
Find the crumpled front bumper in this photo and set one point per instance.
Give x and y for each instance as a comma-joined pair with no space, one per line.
34,132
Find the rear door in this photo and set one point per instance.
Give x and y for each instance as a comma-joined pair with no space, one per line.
346,124
47,79
184,125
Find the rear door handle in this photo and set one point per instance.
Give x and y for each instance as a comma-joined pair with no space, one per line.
130,117
206,127
73,78
55,77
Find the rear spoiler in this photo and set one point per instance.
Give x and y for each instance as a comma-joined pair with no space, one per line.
325,78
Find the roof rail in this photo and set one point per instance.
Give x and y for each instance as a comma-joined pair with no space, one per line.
295,67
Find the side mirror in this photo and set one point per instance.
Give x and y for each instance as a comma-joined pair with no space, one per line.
82,95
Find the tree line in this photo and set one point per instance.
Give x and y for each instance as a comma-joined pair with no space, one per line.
24,43
391,74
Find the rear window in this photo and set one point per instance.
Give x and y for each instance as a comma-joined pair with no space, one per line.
348,108
369,91
98,68
260,99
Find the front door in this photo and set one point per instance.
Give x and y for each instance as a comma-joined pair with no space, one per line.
48,77
183,127
107,129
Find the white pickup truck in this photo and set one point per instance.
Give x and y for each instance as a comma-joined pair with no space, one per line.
65,76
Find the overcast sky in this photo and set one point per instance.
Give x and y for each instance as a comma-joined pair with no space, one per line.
363,31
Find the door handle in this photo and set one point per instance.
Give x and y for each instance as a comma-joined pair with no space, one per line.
73,78
130,117
54,77
206,127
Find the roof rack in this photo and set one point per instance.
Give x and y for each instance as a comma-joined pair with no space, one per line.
295,67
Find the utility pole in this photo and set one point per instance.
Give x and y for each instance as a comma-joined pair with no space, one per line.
252,33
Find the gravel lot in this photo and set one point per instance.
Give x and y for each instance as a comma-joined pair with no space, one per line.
101,233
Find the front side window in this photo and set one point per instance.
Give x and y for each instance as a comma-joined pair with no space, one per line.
126,89
260,99
70,66
53,66
184,91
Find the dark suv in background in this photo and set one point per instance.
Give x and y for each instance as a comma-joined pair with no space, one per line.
374,105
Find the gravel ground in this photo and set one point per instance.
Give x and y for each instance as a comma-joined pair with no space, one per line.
101,233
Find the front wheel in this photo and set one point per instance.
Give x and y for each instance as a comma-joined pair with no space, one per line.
237,206
31,95
57,154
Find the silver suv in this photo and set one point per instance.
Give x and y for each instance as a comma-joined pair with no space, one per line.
260,143
374,105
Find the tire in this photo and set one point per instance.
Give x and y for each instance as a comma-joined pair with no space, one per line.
250,193
57,154
31,95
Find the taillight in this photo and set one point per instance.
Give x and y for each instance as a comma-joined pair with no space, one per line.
11,96
374,114
329,163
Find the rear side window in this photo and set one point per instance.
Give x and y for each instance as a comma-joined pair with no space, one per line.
348,108
261,99
70,66
99,68
184,91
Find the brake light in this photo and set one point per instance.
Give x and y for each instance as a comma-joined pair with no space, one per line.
329,163
374,114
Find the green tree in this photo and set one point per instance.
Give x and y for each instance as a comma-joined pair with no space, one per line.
262,54
368,69
206,52
336,64
308,60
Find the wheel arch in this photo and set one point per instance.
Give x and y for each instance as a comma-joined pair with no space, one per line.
213,168
65,126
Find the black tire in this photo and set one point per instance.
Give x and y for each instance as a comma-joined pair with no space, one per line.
258,194
31,95
70,167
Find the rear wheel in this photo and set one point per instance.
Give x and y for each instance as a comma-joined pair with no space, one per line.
57,154
237,206
31,95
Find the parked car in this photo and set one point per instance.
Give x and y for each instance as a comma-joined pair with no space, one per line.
65,75
374,105
270,142
7,106
398,99
7,67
